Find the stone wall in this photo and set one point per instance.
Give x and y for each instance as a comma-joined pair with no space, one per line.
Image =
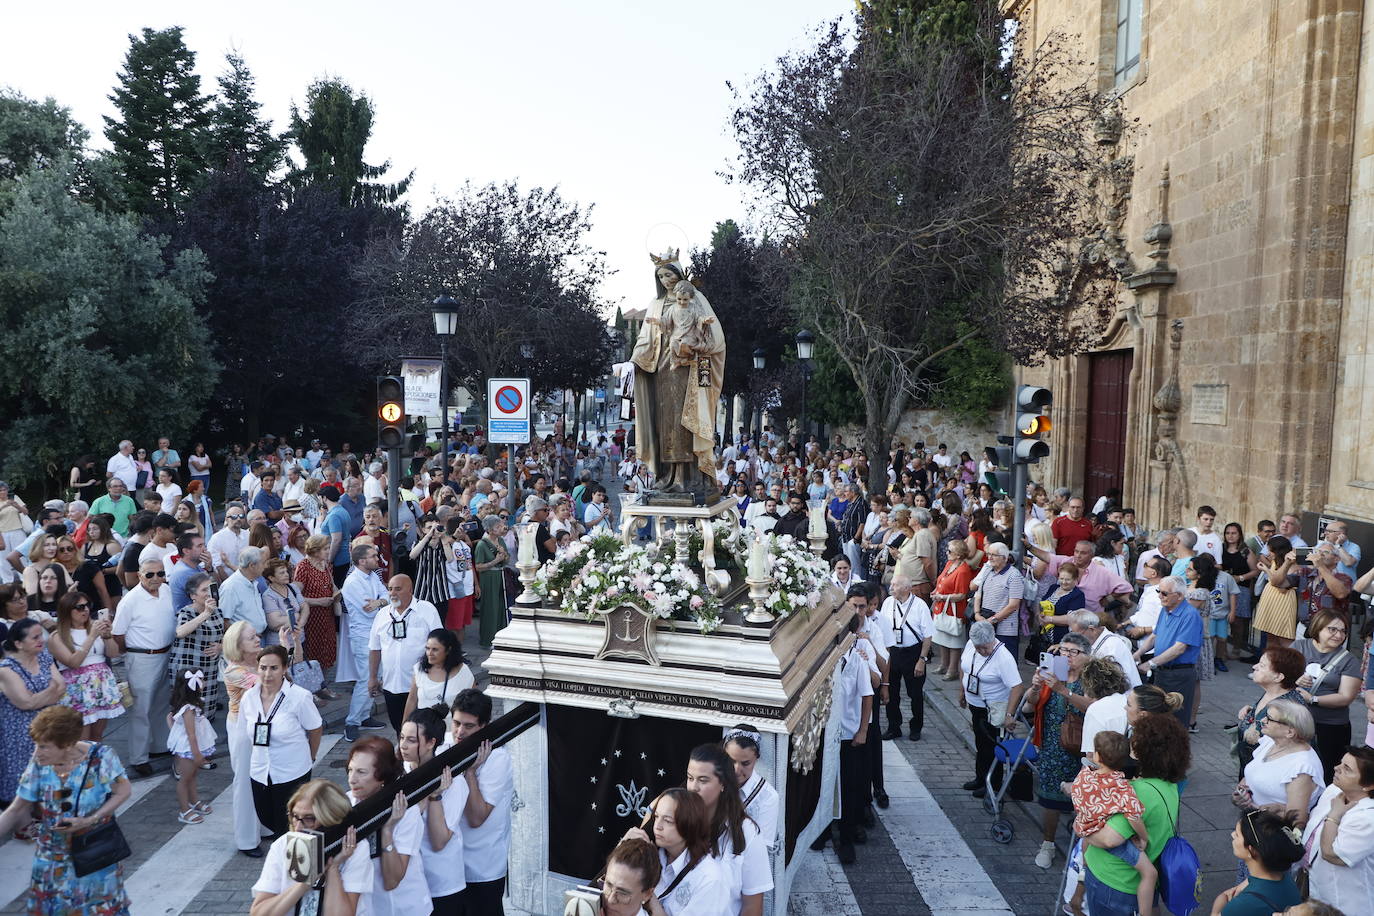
934,426
1250,113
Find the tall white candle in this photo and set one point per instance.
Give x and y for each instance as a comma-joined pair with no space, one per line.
526,555
817,525
758,566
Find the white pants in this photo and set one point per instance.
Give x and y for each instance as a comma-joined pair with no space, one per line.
247,831
152,699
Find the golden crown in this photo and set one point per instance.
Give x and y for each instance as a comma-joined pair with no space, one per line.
669,257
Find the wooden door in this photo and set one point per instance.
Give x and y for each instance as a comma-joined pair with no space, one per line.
1104,460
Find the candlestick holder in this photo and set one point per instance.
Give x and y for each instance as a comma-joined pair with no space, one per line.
817,543
758,593
527,574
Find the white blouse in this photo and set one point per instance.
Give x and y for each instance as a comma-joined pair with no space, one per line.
748,871
411,896
79,637
1268,779
764,808
1347,887
703,892
355,874
433,693
287,757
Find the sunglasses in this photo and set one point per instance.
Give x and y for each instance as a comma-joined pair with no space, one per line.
82,606
67,548
155,575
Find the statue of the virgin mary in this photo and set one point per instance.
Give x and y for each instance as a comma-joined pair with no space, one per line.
679,359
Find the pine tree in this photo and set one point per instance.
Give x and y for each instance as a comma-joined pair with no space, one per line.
159,138
332,134
237,134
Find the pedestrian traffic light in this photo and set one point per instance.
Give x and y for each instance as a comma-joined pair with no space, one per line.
1031,423
391,411
1001,457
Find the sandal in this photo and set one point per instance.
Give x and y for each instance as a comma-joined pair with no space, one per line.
190,816
204,808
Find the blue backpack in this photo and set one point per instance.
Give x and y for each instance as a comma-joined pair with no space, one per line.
1180,870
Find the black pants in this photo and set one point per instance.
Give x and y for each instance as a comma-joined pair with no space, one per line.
854,766
1181,680
874,746
483,898
340,574
269,800
984,741
395,708
902,660
1330,742
452,905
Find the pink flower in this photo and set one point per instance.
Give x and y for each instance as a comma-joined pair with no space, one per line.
650,596
696,601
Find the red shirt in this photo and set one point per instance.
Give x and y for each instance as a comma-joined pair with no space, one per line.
1067,533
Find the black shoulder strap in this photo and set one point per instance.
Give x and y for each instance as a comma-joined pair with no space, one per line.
754,794
678,880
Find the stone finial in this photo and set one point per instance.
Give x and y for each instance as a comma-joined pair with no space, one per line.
1159,236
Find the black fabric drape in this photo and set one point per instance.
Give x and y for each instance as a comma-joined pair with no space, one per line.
803,794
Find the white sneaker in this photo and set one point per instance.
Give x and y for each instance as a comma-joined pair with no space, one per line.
1045,856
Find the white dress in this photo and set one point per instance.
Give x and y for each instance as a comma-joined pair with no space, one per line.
179,742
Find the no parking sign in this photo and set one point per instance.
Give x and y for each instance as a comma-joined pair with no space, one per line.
508,411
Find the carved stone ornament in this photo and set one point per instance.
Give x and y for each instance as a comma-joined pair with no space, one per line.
806,740
629,634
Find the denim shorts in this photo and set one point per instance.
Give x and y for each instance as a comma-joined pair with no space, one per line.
1106,901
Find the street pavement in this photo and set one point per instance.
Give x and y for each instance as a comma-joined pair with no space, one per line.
930,852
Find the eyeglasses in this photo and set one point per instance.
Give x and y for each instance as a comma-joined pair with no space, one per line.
155,575
1071,653
232,517
1333,629
82,606
305,820
66,549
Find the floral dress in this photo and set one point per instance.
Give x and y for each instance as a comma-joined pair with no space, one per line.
188,654
55,888
1057,765
16,747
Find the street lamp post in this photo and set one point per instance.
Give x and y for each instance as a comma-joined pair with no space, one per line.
445,326
806,344
760,361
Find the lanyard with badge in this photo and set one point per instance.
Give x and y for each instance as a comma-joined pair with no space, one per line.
973,682
262,729
398,627
899,625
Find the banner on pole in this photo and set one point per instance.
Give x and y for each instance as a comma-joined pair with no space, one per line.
423,386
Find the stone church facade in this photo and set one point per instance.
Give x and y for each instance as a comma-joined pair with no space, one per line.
1237,370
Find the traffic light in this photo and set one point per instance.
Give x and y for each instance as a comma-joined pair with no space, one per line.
1031,423
1001,457
391,411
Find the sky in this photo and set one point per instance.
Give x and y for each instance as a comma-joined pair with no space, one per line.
622,105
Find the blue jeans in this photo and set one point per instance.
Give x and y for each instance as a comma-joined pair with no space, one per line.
360,706
1106,901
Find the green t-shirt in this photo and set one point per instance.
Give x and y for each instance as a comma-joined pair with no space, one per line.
1159,801
1263,897
121,511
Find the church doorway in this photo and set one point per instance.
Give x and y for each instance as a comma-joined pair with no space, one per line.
1104,459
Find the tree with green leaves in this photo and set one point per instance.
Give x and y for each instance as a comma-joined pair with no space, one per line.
237,134
35,134
331,132
102,340
159,136
928,190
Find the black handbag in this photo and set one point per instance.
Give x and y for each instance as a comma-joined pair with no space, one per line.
101,846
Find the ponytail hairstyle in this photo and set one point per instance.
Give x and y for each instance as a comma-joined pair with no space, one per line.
1153,699
186,689
429,722
729,816
745,736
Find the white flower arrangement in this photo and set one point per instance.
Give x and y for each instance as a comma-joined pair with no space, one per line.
799,576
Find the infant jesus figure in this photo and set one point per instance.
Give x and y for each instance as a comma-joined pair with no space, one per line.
688,329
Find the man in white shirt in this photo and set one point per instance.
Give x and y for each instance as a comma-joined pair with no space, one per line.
906,619
121,465
363,594
374,485
226,543
294,487
396,644
1105,643
854,697
486,824
942,458
1208,539
144,627
1290,526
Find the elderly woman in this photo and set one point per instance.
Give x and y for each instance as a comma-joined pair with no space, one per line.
1339,839
239,671
489,557
315,577
632,872
1059,717
1104,684
1160,744
398,875
990,688
1284,771
1277,674
29,681
1000,595
199,642
347,877
69,786
1331,682
949,604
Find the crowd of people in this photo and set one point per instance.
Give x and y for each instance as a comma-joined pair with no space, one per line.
214,627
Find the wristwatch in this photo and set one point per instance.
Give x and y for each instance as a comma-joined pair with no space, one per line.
389,847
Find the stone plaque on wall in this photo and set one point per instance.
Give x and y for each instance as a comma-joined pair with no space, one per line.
1209,404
